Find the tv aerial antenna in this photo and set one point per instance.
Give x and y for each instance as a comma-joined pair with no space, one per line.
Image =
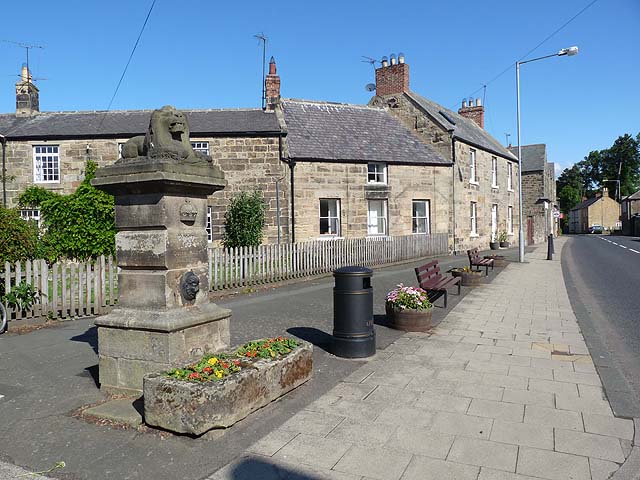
507,135
27,47
262,38
370,87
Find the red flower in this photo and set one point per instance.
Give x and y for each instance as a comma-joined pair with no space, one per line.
207,370
236,362
225,365
194,375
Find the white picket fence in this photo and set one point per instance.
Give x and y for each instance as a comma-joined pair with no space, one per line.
77,289
66,289
246,266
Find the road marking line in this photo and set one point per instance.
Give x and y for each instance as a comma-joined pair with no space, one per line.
634,251
1,397
614,243
622,246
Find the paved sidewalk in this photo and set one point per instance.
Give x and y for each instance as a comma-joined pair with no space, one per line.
503,389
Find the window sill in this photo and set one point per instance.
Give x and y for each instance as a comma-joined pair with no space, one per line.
477,184
329,236
474,235
495,187
510,190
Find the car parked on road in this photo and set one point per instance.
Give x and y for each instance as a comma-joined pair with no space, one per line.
596,229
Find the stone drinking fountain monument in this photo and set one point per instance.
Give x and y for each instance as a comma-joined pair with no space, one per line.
164,316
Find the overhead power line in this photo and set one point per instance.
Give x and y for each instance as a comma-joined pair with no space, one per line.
127,65
510,66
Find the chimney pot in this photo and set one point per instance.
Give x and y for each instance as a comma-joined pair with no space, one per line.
272,66
393,58
385,62
478,102
464,104
401,57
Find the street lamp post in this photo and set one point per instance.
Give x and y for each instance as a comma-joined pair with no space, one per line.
564,52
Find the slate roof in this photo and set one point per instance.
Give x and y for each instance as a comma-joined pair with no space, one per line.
463,128
586,203
128,123
345,132
633,196
534,157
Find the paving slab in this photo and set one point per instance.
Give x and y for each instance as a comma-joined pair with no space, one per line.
424,468
125,411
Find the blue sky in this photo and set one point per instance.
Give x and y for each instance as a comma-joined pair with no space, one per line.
202,54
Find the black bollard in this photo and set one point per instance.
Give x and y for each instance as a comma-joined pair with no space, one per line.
550,247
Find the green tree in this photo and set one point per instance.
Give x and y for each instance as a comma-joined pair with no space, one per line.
80,225
244,220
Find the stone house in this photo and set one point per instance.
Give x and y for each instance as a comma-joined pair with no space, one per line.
538,193
482,187
599,210
630,209
50,149
401,165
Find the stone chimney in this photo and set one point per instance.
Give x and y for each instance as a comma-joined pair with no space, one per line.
605,191
272,86
393,76
474,111
27,95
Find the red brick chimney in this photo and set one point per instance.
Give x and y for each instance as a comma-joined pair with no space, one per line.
393,76
272,86
474,111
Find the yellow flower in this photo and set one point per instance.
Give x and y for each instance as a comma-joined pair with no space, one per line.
218,373
212,361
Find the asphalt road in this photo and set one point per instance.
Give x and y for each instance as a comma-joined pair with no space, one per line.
47,374
603,279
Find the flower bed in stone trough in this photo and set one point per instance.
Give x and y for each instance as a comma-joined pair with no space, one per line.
223,388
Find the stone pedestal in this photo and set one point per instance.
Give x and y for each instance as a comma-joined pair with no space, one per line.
164,317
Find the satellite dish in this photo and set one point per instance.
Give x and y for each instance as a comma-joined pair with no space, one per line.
370,87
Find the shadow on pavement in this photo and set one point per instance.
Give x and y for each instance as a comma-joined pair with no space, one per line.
90,337
254,468
94,372
312,335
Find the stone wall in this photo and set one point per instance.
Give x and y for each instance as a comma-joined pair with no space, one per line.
249,163
485,196
348,182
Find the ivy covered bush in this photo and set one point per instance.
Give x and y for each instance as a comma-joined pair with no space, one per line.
77,226
18,238
244,220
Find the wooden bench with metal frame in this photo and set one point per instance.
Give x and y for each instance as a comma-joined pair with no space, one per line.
434,283
476,261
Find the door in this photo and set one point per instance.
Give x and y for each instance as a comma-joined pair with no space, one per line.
494,222
529,230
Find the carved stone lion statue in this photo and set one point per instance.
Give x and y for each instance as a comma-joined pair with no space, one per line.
167,137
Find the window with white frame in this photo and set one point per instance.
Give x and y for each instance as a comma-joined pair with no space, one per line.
209,230
31,214
510,176
510,220
330,216
377,217
202,147
472,166
376,172
46,164
420,217
494,172
474,218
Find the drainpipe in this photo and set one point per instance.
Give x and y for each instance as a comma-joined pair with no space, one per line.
3,140
453,184
291,163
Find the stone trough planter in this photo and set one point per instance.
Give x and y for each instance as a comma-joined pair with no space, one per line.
194,408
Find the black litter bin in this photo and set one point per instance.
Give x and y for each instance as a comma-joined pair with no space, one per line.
353,333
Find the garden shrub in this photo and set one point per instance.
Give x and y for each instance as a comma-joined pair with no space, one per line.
77,226
18,237
244,220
